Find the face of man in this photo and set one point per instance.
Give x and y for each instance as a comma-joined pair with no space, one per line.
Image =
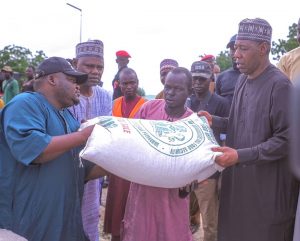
128,84
163,74
67,91
211,61
29,73
176,90
200,85
298,31
93,66
231,54
122,62
248,55
7,75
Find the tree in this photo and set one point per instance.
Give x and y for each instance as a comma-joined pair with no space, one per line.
141,91
19,57
224,60
282,46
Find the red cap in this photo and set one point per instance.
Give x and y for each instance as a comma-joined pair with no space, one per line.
123,53
208,57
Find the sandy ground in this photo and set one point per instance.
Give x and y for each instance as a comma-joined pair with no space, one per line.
198,236
103,236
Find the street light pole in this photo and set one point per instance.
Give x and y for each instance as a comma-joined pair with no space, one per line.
80,10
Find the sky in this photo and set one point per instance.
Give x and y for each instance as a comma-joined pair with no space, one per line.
149,31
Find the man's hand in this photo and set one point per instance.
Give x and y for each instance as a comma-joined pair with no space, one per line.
228,158
86,132
63,143
96,172
207,116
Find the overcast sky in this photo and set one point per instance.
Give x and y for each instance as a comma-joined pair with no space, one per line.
149,30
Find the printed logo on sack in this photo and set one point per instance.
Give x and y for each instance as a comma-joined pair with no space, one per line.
174,138
107,122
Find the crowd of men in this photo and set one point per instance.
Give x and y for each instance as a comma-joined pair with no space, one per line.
49,194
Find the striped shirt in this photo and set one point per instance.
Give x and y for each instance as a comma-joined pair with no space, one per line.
98,104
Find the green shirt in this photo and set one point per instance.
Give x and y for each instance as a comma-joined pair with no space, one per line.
10,89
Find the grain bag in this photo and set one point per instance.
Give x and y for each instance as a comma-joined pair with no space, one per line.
154,153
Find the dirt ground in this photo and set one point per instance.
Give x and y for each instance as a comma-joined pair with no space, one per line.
198,236
103,236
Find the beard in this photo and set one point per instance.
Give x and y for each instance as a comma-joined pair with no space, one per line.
76,101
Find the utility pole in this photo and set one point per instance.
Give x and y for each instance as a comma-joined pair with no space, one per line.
80,10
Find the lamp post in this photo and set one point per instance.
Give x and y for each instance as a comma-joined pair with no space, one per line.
80,10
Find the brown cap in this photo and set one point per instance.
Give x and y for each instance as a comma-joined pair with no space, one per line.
7,68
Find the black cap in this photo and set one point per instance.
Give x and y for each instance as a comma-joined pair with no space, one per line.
57,64
202,69
231,41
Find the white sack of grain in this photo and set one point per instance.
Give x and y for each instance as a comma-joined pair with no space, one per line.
154,153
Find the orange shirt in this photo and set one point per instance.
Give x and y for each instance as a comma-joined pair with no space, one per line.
117,107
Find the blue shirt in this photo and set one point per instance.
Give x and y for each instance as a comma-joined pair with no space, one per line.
39,201
225,83
213,104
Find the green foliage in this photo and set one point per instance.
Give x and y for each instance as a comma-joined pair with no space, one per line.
38,57
282,46
224,60
19,58
141,91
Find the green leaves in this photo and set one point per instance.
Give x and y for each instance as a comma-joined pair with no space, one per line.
224,60
282,46
19,57
141,91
